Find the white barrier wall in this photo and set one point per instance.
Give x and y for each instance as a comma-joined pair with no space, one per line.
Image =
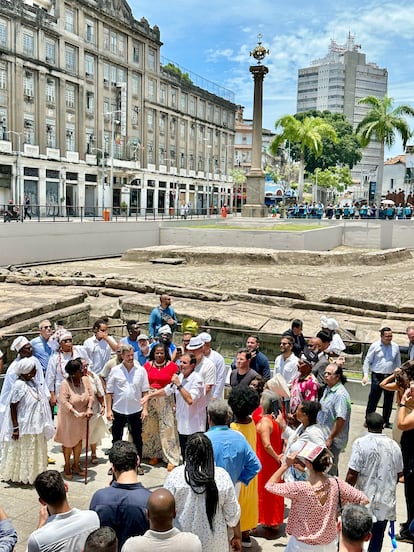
48,241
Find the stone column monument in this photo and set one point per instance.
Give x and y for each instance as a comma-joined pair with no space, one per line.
255,183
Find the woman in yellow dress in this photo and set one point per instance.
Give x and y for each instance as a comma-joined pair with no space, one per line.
243,401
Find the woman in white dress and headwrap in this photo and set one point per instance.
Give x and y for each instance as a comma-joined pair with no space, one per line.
337,346
26,428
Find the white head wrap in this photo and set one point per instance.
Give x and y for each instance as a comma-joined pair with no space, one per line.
18,343
25,366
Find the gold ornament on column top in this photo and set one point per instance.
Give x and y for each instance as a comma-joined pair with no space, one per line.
259,52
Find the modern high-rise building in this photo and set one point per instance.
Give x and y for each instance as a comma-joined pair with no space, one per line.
92,116
336,83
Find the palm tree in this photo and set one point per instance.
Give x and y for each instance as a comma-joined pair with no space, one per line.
381,123
308,132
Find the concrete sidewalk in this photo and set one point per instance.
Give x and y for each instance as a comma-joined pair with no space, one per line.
21,503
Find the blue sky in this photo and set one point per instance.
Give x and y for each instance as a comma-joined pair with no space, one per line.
213,38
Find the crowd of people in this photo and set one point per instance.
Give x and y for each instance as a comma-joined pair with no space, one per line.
394,205
236,442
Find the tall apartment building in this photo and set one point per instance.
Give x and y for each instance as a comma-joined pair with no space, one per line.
91,117
336,83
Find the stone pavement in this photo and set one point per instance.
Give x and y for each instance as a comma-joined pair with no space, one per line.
21,504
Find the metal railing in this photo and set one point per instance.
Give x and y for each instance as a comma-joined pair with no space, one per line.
65,213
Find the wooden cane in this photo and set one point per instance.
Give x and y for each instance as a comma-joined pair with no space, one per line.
87,447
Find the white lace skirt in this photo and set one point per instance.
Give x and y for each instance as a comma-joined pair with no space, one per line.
24,459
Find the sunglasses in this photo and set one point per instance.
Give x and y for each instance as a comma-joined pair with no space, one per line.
66,340
46,327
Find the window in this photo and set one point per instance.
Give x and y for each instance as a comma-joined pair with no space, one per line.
113,75
152,91
29,129
3,77
121,75
150,152
162,154
106,73
3,125
28,84
163,118
163,94
28,43
106,105
151,59
136,84
89,65
150,119
106,39
50,51
50,133
90,102
70,56
113,42
3,33
136,52
182,130
121,46
192,109
90,31
69,19
70,137
183,102
173,97
50,90
90,140
70,96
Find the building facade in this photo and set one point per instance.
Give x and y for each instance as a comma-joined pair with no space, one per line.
336,83
93,118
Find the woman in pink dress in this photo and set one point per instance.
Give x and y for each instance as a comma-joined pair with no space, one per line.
75,407
269,450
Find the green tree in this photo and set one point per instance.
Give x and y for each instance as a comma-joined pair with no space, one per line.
382,123
335,179
346,151
308,133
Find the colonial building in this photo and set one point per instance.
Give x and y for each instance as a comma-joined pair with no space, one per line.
91,117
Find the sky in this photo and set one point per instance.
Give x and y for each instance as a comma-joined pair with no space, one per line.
213,39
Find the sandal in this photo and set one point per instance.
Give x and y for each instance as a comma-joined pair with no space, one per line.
94,459
67,476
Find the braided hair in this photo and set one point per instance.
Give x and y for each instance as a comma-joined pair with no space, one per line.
199,472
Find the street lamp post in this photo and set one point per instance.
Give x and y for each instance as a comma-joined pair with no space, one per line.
111,175
17,192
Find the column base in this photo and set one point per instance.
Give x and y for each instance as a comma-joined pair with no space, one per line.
254,211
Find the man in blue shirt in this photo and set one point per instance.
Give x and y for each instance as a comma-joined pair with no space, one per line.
41,350
132,338
231,449
161,315
382,358
123,504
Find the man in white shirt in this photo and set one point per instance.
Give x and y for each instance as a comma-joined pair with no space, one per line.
220,364
204,366
190,406
162,535
382,358
286,363
99,347
374,467
69,528
126,385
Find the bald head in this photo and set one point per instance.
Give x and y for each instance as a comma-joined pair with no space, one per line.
161,510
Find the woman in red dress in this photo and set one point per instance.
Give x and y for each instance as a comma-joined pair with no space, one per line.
159,435
269,451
